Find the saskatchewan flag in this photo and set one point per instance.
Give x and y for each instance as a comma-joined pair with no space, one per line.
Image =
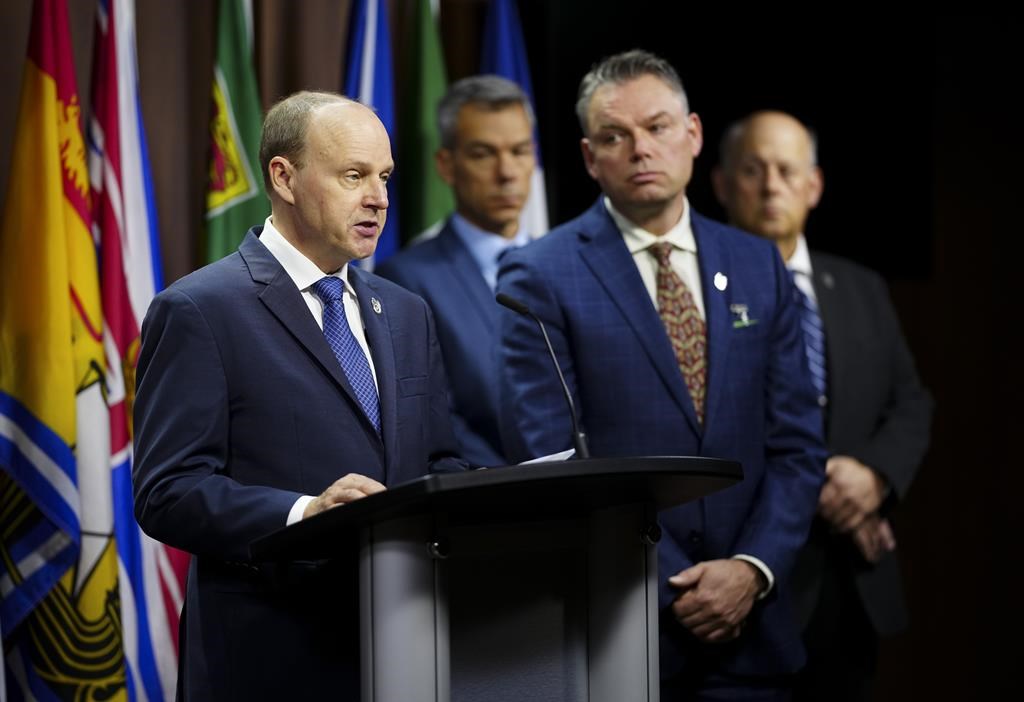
234,199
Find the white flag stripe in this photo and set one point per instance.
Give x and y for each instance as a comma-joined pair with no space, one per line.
130,633
166,659
535,214
366,75
35,560
53,474
167,575
136,227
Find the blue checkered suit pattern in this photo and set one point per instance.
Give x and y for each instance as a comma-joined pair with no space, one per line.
617,359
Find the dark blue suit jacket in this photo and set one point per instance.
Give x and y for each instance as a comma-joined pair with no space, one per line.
582,282
443,272
241,408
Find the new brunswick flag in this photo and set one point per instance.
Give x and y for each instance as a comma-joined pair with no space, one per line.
59,596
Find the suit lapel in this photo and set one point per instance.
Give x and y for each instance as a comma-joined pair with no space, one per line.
378,338
469,283
284,301
605,253
825,291
715,268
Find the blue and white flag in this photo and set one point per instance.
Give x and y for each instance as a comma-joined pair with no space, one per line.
504,54
369,78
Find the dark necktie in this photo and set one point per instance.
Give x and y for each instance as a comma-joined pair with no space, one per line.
346,349
814,340
684,325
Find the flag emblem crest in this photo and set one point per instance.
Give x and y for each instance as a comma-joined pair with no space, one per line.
72,147
231,175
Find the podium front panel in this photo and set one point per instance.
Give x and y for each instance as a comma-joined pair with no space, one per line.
559,610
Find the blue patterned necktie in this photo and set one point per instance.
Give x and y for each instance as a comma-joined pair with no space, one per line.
345,347
814,340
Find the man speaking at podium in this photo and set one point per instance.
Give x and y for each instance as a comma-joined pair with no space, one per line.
274,384
677,336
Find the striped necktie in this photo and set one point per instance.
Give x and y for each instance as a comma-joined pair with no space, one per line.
814,341
346,349
684,325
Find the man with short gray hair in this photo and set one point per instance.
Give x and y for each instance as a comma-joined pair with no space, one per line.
876,412
487,156
677,336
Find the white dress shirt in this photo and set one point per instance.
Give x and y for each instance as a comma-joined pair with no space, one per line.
683,257
304,273
800,264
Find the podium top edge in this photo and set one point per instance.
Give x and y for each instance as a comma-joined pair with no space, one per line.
662,481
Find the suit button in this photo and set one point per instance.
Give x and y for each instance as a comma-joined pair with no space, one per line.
696,538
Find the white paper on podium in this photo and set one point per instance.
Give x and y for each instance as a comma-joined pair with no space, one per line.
560,456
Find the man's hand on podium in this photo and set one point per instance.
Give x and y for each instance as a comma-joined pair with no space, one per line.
715,598
350,488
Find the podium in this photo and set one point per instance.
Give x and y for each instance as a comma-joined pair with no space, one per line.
532,582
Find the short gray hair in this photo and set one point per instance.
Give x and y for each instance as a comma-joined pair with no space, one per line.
488,91
622,68
286,124
735,131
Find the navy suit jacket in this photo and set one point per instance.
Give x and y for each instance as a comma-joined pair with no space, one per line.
582,282
879,413
443,272
241,408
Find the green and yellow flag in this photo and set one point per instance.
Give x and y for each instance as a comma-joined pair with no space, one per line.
235,198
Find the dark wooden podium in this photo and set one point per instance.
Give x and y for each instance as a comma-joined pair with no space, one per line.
534,582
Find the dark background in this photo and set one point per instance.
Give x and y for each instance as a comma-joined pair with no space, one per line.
922,158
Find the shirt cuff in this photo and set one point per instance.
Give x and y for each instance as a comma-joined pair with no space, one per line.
765,571
295,514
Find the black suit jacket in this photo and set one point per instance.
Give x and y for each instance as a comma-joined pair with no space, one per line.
878,412
242,408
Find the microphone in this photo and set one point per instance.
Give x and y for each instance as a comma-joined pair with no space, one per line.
579,439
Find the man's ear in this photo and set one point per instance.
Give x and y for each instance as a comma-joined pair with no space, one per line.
444,161
696,132
816,187
588,156
282,177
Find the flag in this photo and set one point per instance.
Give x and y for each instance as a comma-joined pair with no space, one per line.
369,78
235,197
504,54
423,87
58,595
150,575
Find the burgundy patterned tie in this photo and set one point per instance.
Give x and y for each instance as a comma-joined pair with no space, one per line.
684,325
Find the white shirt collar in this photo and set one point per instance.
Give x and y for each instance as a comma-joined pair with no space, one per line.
303,272
800,261
637,238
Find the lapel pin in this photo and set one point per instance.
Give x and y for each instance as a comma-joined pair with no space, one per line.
375,304
828,280
742,314
721,281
